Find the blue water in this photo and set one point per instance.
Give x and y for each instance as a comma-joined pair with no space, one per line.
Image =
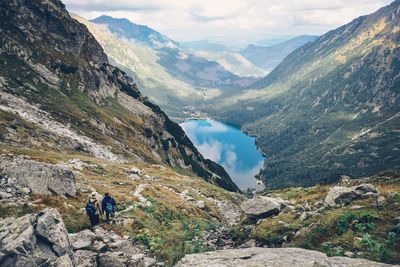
228,146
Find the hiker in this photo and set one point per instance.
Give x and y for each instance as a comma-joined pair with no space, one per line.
108,206
93,209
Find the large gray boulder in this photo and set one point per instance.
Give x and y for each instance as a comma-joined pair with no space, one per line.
262,207
35,239
37,177
344,195
271,257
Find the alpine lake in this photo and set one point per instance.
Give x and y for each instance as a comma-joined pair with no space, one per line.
230,147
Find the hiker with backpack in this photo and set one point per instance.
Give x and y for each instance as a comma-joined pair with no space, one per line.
108,206
93,209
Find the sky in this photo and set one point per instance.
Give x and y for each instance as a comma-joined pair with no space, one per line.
231,21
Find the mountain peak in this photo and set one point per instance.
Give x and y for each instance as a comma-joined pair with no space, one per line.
125,28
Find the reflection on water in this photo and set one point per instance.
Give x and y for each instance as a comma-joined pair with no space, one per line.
228,146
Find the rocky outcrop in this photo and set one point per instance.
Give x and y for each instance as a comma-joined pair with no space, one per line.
344,195
33,240
274,257
102,248
22,176
42,240
261,207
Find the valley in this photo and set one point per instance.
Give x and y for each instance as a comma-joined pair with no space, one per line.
279,154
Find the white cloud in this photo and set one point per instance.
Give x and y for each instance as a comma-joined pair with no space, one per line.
230,20
211,150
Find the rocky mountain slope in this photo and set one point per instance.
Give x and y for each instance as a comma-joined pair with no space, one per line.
268,57
59,93
331,107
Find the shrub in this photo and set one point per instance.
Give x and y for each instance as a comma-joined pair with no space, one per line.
362,222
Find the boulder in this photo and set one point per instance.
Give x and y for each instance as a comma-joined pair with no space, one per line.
274,257
50,227
35,239
262,207
5,195
345,195
35,177
82,239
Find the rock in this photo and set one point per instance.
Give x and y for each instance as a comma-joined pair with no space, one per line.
149,262
5,195
50,226
25,190
82,239
200,204
85,258
64,261
99,246
120,259
262,207
345,195
349,254
356,207
38,177
276,257
303,216
35,239
381,200
249,244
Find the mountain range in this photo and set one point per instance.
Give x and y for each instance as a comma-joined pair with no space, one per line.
169,75
268,57
73,126
331,108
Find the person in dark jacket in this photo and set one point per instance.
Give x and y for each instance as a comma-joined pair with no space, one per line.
108,206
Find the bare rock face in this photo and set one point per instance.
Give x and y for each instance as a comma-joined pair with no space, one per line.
35,239
261,207
344,195
274,257
24,176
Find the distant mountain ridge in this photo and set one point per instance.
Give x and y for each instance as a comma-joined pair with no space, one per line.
125,28
268,57
331,108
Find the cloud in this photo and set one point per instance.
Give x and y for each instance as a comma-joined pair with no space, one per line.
212,150
231,21
107,6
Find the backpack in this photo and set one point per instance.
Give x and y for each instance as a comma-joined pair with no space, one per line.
90,209
109,208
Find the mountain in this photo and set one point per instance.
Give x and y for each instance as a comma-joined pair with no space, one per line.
331,108
204,45
184,65
268,57
74,127
234,62
139,33
59,93
141,62
169,75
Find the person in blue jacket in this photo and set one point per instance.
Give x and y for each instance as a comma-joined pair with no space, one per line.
108,206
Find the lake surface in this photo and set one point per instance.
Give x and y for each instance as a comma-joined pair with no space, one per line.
228,146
